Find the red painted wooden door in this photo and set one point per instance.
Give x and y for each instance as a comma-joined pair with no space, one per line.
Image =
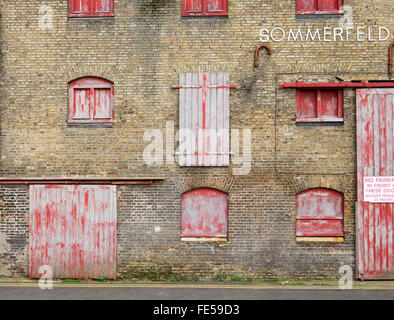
73,230
375,246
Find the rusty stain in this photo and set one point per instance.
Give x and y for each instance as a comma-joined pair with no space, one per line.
256,63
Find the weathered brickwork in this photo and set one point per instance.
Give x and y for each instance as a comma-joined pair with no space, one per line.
14,231
142,50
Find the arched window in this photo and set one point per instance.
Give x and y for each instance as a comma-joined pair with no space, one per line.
319,213
90,101
91,8
204,213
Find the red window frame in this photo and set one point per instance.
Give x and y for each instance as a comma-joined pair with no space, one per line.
91,9
204,213
91,85
319,101
320,7
204,9
319,213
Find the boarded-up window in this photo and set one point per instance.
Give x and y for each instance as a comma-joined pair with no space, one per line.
91,8
204,106
319,105
91,101
319,213
319,6
204,8
204,213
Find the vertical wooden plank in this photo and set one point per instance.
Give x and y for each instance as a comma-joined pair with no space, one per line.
368,155
189,120
390,156
226,121
182,120
211,127
376,172
383,172
360,118
205,106
219,125
200,140
195,110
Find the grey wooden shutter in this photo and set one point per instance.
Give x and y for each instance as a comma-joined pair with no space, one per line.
204,108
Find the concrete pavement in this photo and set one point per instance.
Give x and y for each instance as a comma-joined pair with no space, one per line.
23,289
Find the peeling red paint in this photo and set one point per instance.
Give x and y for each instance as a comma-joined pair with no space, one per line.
375,154
204,213
78,238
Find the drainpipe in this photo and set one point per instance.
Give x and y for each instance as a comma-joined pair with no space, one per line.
256,63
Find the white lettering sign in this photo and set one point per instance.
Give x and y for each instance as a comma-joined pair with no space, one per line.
326,34
379,189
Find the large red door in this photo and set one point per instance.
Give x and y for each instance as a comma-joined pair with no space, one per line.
375,153
73,230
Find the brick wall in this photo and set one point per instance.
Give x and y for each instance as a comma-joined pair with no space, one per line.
142,50
14,231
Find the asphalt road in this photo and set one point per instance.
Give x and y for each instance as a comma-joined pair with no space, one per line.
171,293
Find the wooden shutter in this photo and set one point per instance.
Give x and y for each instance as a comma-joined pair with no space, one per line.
102,104
91,101
319,105
204,7
192,7
204,213
328,5
79,8
81,104
103,7
319,213
307,5
204,102
319,6
216,7
306,104
72,228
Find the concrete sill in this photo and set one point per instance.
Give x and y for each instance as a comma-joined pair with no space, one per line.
320,239
190,239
